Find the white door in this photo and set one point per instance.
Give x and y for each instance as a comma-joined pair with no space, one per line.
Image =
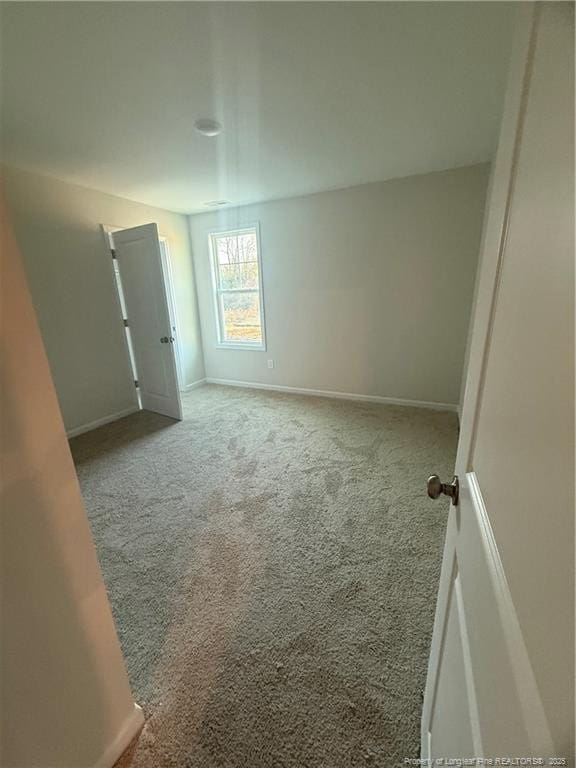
501,670
140,265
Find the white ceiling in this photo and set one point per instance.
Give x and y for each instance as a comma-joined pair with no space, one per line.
312,96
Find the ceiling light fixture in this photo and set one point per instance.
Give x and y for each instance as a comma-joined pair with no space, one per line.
208,127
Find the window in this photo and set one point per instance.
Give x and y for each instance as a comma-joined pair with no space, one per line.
238,288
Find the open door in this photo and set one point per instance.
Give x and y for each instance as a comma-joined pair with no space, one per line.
501,670
140,264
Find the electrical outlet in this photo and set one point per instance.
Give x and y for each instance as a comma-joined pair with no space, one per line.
270,363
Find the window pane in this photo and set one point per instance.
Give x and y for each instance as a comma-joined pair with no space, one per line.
241,317
237,260
242,275
233,249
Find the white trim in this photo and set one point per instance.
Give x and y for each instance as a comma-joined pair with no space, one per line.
130,367
452,407
127,732
166,260
534,714
100,422
240,345
193,385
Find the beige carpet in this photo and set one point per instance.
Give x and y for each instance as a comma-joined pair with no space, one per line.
272,563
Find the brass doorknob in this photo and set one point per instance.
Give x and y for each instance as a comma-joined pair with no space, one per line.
436,488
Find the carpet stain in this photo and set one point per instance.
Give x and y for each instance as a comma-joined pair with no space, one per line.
272,563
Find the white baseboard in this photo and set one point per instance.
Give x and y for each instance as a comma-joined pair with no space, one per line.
339,395
100,422
194,385
127,732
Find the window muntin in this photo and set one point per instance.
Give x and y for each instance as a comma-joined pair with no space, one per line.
238,287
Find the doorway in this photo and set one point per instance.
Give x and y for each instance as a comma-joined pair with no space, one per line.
147,310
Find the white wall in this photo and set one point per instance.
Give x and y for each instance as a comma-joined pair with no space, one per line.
72,284
65,695
367,290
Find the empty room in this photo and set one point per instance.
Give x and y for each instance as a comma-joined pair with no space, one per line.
287,384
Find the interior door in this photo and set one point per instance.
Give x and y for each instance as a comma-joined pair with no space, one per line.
140,265
501,670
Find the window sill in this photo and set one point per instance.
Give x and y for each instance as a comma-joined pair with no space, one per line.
246,347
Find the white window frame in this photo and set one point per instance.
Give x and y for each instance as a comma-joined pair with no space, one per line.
217,292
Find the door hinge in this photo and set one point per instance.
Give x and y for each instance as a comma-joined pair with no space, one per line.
125,323
113,252
136,383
